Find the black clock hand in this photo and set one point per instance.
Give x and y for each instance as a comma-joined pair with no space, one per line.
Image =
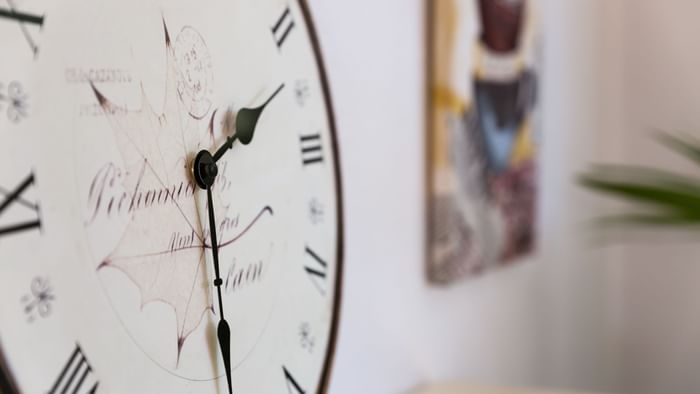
223,331
246,120
205,171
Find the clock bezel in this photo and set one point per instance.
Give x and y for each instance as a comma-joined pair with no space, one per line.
333,335
7,384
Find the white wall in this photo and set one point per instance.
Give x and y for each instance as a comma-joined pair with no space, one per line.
660,279
543,322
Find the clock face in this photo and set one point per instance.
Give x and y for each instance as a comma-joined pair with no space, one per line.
128,93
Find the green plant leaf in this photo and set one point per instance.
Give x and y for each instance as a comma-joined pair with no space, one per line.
672,200
642,174
689,149
674,195
649,220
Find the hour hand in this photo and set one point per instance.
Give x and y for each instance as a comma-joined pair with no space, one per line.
246,120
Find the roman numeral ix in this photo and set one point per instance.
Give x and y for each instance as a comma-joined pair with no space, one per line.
14,198
317,270
74,375
283,27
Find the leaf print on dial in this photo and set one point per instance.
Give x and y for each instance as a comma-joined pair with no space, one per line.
162,251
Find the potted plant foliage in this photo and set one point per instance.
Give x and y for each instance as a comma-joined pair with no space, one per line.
664,199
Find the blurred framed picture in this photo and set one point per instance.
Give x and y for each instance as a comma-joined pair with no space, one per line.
482,135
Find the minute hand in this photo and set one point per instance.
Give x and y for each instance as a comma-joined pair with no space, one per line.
223,331
246,120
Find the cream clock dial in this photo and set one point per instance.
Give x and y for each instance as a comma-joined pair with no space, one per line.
158,263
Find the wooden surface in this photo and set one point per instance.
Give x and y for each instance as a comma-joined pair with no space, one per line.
453,388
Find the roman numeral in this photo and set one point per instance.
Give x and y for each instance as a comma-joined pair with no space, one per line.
283,27
14,198
317,271
74,375
291,383
22,18
311,150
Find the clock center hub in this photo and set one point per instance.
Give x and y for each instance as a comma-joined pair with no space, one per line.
204,169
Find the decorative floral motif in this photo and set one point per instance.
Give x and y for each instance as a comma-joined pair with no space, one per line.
301,92
305,338
14,99
38,303
316,211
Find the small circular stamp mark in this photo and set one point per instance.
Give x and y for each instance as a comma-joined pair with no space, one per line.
194,63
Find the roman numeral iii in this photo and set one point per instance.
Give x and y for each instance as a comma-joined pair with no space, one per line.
74,375
283,27
317,269
14,199
311,149
292,385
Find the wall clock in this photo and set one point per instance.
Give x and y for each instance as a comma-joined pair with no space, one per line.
170,217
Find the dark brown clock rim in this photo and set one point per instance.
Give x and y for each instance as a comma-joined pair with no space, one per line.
7,384
330,349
